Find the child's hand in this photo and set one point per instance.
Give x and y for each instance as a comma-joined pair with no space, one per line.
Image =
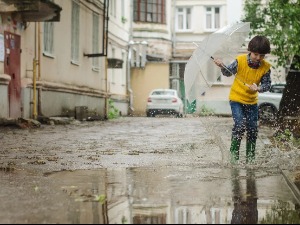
219,63
253,87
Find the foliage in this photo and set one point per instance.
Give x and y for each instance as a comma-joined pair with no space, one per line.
113,112
100,198
124,220
287,135
123,19
205,111
279,20
281,213
286,140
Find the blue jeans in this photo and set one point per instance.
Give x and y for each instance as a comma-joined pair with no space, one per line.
245,118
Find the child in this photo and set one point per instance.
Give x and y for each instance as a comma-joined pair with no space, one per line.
252,75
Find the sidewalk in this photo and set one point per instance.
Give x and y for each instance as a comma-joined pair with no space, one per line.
62,167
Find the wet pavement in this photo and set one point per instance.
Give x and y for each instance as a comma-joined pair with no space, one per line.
143,170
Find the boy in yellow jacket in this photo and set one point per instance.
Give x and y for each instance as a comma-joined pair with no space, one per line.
252,75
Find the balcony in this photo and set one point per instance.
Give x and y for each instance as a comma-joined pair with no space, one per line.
31,10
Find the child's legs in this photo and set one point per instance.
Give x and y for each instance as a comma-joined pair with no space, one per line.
251,120
239,118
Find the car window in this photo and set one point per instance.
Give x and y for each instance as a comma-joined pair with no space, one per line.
277,88
163,93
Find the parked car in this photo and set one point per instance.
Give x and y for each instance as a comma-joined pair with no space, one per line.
268,102
164,101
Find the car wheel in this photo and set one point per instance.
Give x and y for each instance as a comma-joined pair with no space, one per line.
179,115
150,114
267,112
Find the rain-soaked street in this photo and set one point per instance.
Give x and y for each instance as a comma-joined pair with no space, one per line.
143,171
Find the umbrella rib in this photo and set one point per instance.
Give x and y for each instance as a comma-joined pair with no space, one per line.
199,73
222,66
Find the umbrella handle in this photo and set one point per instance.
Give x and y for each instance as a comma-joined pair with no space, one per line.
232,73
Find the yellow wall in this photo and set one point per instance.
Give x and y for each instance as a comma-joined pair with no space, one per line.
155,75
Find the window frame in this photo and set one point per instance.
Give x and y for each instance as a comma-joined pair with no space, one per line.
113,73
187,18
96,40
213,20
75,32
113,8
149,11
48,45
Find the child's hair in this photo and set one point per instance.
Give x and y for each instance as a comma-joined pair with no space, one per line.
259,44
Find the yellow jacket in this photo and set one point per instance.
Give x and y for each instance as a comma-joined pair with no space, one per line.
239,91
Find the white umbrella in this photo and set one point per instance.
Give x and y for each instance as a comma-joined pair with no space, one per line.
200,71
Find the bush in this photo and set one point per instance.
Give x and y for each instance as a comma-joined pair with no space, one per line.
113,112
205,111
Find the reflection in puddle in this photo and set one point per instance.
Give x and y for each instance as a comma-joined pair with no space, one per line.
176,196
245,204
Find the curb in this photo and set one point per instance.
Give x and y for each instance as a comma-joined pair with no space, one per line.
287,176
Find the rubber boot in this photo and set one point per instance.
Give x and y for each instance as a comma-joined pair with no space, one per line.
235,150
250,152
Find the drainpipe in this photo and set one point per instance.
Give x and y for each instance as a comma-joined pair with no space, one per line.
106,90
173,29
39,70
34,65
129,77
131,109
34,89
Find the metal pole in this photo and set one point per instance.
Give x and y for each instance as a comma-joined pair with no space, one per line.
34,74
106,89
39,70
34,89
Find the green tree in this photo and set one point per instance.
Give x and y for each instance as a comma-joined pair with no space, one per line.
279,20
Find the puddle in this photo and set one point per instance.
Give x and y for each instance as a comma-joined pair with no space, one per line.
165,195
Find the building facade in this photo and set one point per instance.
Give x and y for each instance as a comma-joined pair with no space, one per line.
55,70
77,58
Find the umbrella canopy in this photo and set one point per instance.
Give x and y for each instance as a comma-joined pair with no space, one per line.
200,71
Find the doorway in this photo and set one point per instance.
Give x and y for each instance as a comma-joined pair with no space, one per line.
12,61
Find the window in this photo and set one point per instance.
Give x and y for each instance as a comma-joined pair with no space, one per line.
48,38
95,40
123,70
113,76
151,11
112,7
172,93
75,32
212,18
183,17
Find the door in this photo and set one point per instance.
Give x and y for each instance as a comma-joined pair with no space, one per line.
12,43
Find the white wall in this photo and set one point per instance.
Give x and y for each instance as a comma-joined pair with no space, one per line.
234,10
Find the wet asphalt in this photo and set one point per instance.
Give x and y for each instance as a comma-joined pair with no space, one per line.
143,170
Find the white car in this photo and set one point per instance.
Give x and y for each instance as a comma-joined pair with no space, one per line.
268,102
164,101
